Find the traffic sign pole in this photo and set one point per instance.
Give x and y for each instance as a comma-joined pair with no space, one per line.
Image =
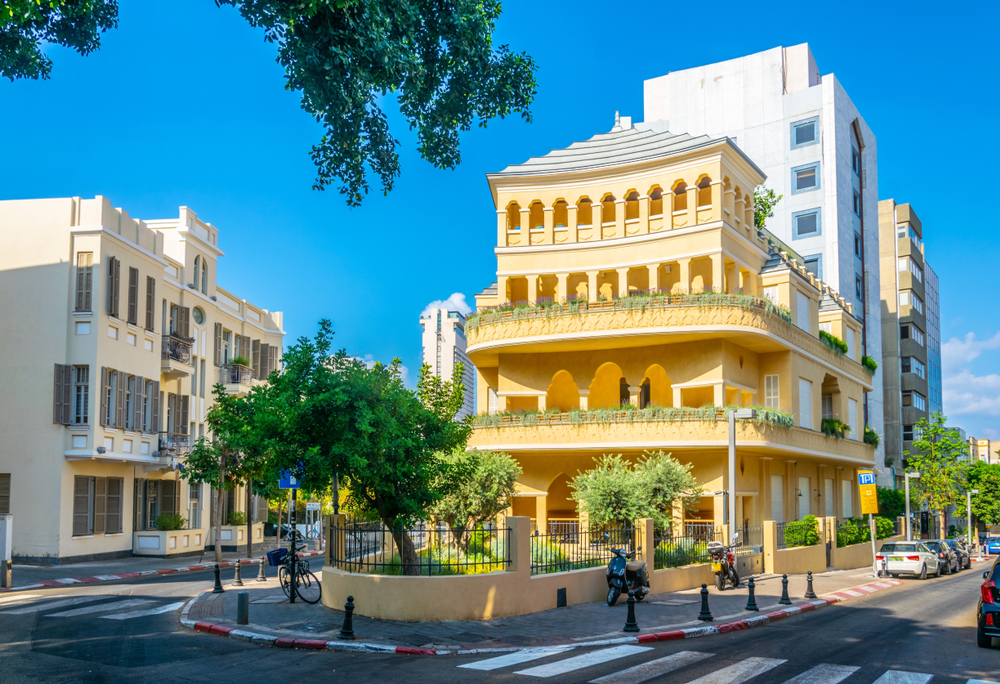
869,505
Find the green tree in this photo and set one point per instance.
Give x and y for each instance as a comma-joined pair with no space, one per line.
666,483
892,502
27,25
938,454
986,504
609,492
436,60
475,486
764,200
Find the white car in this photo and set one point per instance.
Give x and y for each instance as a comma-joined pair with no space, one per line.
909,558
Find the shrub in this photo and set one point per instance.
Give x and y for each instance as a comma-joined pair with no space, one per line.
482,543
833,427
168,523
856,530
872,438
546,553
869,364
237,518
803,532
833,342
684,552
240,361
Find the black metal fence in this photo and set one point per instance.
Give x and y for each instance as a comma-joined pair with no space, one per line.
781,536
676,550
427,549
751,540
569,548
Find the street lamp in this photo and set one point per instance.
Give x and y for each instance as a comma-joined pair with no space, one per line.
906,479
742,414
968,514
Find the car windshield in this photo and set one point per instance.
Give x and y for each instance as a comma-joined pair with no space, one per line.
934,546
899,548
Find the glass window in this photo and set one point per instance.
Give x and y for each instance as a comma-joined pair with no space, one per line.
198,315
805,178
814,264
857,203
771,292
855,161
859,287
908,331
772,397
907,433
806,224
915,399
81,397
805,132
858,251
908,264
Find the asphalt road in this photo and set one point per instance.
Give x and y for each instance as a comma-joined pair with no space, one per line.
926,628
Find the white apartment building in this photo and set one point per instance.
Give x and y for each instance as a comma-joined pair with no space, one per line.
444,347
803,131
116,332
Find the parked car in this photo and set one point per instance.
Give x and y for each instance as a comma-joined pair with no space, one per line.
992,545
910,558
949,559
988,612
964,557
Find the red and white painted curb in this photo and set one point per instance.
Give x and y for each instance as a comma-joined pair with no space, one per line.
691,633
145,573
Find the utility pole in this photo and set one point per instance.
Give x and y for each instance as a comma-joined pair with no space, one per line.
906,478
968,515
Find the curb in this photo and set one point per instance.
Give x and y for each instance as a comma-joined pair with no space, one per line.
145,573
690,633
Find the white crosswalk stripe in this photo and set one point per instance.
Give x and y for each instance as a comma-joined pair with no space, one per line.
103,608
170,607
582,661
515,658
47,605
824,674
981,681
903,677
654,668
739,672
7,600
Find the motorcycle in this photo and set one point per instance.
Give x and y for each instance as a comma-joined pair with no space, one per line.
724,563
625,575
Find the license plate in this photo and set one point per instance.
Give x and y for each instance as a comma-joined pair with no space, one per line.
898,559
716,567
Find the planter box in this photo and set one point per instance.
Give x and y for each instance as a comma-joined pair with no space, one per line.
233,537
161,544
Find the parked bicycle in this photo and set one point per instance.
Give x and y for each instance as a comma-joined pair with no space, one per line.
307,585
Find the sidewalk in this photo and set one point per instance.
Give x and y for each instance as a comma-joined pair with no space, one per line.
37,577
272,615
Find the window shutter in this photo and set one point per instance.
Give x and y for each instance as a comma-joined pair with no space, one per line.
184,321
167,489
272,361
150,301
137,394
218,344
84,280
5,494
261,509
81,506
265,357
103,418
100,503
255,360
61,393
182,404
113,505
245,350
114,271
120,399
154,414
133,295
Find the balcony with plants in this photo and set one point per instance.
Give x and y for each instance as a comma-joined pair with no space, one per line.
237,377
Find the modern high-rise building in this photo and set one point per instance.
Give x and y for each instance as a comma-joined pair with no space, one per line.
911,330
444,347
116,332
804,132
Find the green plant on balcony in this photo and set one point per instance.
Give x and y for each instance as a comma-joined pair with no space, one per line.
763,416
240,361
833,342
169,523
869,364
833,427
872,438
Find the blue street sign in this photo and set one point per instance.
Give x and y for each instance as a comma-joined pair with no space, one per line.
287,481
866,478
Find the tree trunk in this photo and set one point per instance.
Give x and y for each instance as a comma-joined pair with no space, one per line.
249,518
407,551
218,516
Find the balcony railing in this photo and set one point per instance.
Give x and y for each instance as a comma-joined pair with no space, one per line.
176,349
237,374
174,443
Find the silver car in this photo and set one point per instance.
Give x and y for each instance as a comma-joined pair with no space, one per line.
909,558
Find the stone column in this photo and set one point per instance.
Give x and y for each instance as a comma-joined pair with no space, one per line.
596,220
548,215
684,284
770,544
519,545
718,279
677,396
542,514
620,218
592,285
622,282
541,402
654,275
644,214
729,204
502,294
584,395
739,213
561,279
644,533
732,278
572,219
633,395
501,227
668,209
692,196
526,223
719,393
532,289
716,201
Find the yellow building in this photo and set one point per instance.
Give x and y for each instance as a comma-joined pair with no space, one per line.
631,282
116,331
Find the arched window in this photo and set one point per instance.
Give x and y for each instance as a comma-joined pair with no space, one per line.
560,214
536,215
705,192
632,206
513,216
204,277
656,201
197,270
584,212
608,209
680,196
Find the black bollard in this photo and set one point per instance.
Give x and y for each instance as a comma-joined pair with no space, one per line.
630,624
810,594
705,614
218,581
347,631
261,575
785,601
238,581
751,599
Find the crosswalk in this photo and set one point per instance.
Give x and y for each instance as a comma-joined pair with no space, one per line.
99,606
704,668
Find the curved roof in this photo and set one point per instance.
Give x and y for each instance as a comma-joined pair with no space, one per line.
620,146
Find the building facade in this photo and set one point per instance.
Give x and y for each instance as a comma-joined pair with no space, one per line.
121,332
634,299
911,332
986,450
802,129
444,346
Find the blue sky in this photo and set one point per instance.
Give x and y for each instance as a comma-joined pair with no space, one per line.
185,105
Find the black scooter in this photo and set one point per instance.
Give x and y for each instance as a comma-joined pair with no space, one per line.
625,575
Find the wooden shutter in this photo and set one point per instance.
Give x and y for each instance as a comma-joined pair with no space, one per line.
4,493
137,394
120,400
261,509
167,489
272,361
154,411
184,321
100,503
133,295
265,357
84,280
81,506
182,410
255,358
62,385
150,301
113,505
245,350
102,419
218,344
114,279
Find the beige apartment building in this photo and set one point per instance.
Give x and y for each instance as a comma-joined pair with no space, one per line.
117,333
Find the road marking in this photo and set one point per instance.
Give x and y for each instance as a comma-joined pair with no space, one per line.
514,658
582,661
103,608
170,607
14,599
68,580
903,677
107,578
42,605
824,674
739,672
981,681
851,592
654,668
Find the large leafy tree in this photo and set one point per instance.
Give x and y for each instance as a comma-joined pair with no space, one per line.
475,486
986,504
938,457
435,57
892,502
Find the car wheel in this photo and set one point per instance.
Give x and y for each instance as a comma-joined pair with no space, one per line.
923,571
937,573
947,569
983,640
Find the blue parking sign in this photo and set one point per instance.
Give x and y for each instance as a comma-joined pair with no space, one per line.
866,478
287,481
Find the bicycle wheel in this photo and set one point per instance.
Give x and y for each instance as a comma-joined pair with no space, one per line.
307,587
283,580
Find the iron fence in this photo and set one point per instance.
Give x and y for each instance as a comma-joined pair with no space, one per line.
751,540
428,549
897,527
676,550
574,549
781,536
176,349
237,374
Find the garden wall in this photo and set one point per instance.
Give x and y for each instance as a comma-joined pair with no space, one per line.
859,555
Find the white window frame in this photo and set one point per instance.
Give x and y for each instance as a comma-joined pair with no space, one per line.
778,498
772,391
771,293
847,498
802,311
805,403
